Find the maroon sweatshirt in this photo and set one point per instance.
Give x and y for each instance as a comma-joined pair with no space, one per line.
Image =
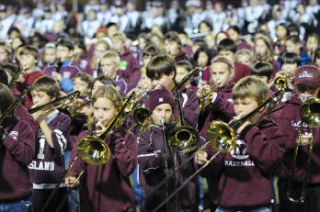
221,109
190,106
16,152
152,163
241,70
290,122
129,69
47,167
107,187
244,175
29,80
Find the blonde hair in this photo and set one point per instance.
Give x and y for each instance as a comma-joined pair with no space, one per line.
243,52
112,94
110,54
252,87
269,57
118,36
225,60
94,59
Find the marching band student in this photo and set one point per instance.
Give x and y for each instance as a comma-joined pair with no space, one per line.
264,71
49,55
107,187
244,56
47,167
29,57
221,108
228,48
5,53
156,159
17,151
63,71
173,46
293,44
162,71
306,86
202,57
244,176
129,67
110,62
100,48
99,82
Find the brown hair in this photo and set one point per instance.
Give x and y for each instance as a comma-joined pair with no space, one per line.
30,50
267,41
85,77
161,65
48,85
6,98
252,87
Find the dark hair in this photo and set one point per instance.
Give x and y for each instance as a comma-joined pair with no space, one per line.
200,43
10,67
262,69
293,28
30,50
202,49
227,44
160,65
66,43
85,77
151,49
80,43
235,28
3,77
294,39
111,24
290,58
185,64
206,23
317,54
6,98
284,26
104,79
13,29
48,85
173,36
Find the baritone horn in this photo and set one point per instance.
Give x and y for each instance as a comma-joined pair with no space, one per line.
310,115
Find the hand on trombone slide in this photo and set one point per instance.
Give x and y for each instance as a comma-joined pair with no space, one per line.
72,181
201,157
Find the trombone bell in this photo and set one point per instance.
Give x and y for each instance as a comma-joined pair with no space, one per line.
184,139
221,136
310,112
93,150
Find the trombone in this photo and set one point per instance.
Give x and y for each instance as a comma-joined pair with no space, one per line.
92,150
310,115
221,137
73,95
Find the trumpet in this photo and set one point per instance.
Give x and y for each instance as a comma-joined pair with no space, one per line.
206,96
310,115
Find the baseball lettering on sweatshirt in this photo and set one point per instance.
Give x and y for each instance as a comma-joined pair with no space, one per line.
239,153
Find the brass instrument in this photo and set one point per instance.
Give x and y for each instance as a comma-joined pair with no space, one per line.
13,106
281,83
205,97
221,137
72,110
92,150
73,95
184,80
310,115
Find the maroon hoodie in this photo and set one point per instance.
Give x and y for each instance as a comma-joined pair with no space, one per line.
290,122
16,152
245,175
190,106
153,157
240,71
221,109
107,187
129,69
